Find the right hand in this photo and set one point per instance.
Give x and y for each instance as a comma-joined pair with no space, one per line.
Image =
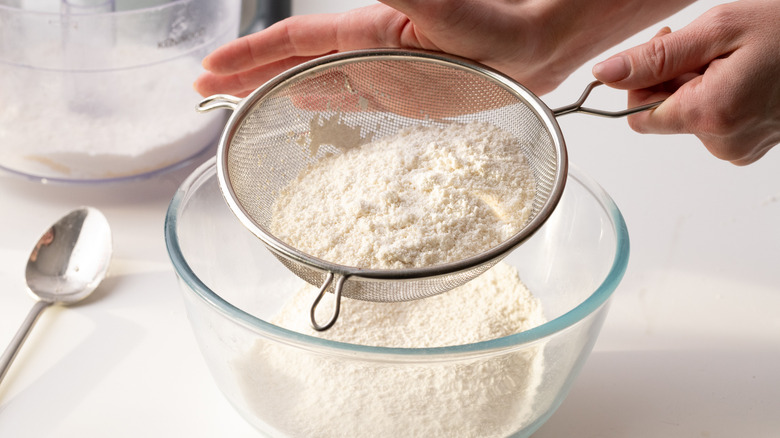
719,76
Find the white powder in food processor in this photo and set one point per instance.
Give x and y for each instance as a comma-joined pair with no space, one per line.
425,196
107,124
308,394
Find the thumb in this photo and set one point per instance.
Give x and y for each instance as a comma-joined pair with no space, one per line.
665,57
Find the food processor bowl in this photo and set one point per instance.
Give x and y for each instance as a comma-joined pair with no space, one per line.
97,90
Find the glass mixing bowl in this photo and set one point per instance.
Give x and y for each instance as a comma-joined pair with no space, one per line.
97,90
290,384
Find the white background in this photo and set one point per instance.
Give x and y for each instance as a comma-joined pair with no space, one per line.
691,346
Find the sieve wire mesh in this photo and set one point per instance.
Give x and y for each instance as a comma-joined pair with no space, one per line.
276,137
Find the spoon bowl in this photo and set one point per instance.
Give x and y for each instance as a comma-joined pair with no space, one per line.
66,265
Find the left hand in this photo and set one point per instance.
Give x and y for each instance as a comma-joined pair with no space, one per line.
537,43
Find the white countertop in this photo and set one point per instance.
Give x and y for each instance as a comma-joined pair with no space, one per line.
691,346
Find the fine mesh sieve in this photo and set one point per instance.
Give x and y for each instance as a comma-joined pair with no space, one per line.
277,132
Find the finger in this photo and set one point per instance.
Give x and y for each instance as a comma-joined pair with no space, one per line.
667,118
607,70
305,36
665,57
666,30
664,119
295,36
657,93
703,106
241,84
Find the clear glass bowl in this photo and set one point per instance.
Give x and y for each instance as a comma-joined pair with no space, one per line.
102,89
289,384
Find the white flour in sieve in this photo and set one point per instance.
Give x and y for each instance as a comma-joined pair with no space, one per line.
305,394
421,197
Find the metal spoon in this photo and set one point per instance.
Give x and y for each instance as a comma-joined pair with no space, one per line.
66,265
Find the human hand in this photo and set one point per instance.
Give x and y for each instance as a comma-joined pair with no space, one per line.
537,43
720,76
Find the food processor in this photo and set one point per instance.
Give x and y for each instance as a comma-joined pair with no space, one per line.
97,90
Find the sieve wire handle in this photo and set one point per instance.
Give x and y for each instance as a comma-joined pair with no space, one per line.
218,101
577,107
336,306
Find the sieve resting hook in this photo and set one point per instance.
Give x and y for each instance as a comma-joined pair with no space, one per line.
336,305
218,101
577,107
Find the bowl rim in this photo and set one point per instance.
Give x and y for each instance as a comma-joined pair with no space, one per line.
140,10
587,307
114,15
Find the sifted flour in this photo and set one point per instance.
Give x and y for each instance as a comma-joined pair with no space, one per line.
306,394
425,196
422,197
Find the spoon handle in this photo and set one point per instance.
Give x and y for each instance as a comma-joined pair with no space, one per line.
16,343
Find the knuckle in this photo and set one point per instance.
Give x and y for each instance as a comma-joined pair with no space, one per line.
718,119
722,125
722,134
656,55
723,20
713,110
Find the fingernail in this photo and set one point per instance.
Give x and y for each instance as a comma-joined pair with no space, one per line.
666,30
612,70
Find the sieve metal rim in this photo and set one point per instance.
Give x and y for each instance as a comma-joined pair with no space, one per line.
242,107
547,118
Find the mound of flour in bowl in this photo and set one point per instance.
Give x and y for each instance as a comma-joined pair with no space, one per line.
301,393
425,196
